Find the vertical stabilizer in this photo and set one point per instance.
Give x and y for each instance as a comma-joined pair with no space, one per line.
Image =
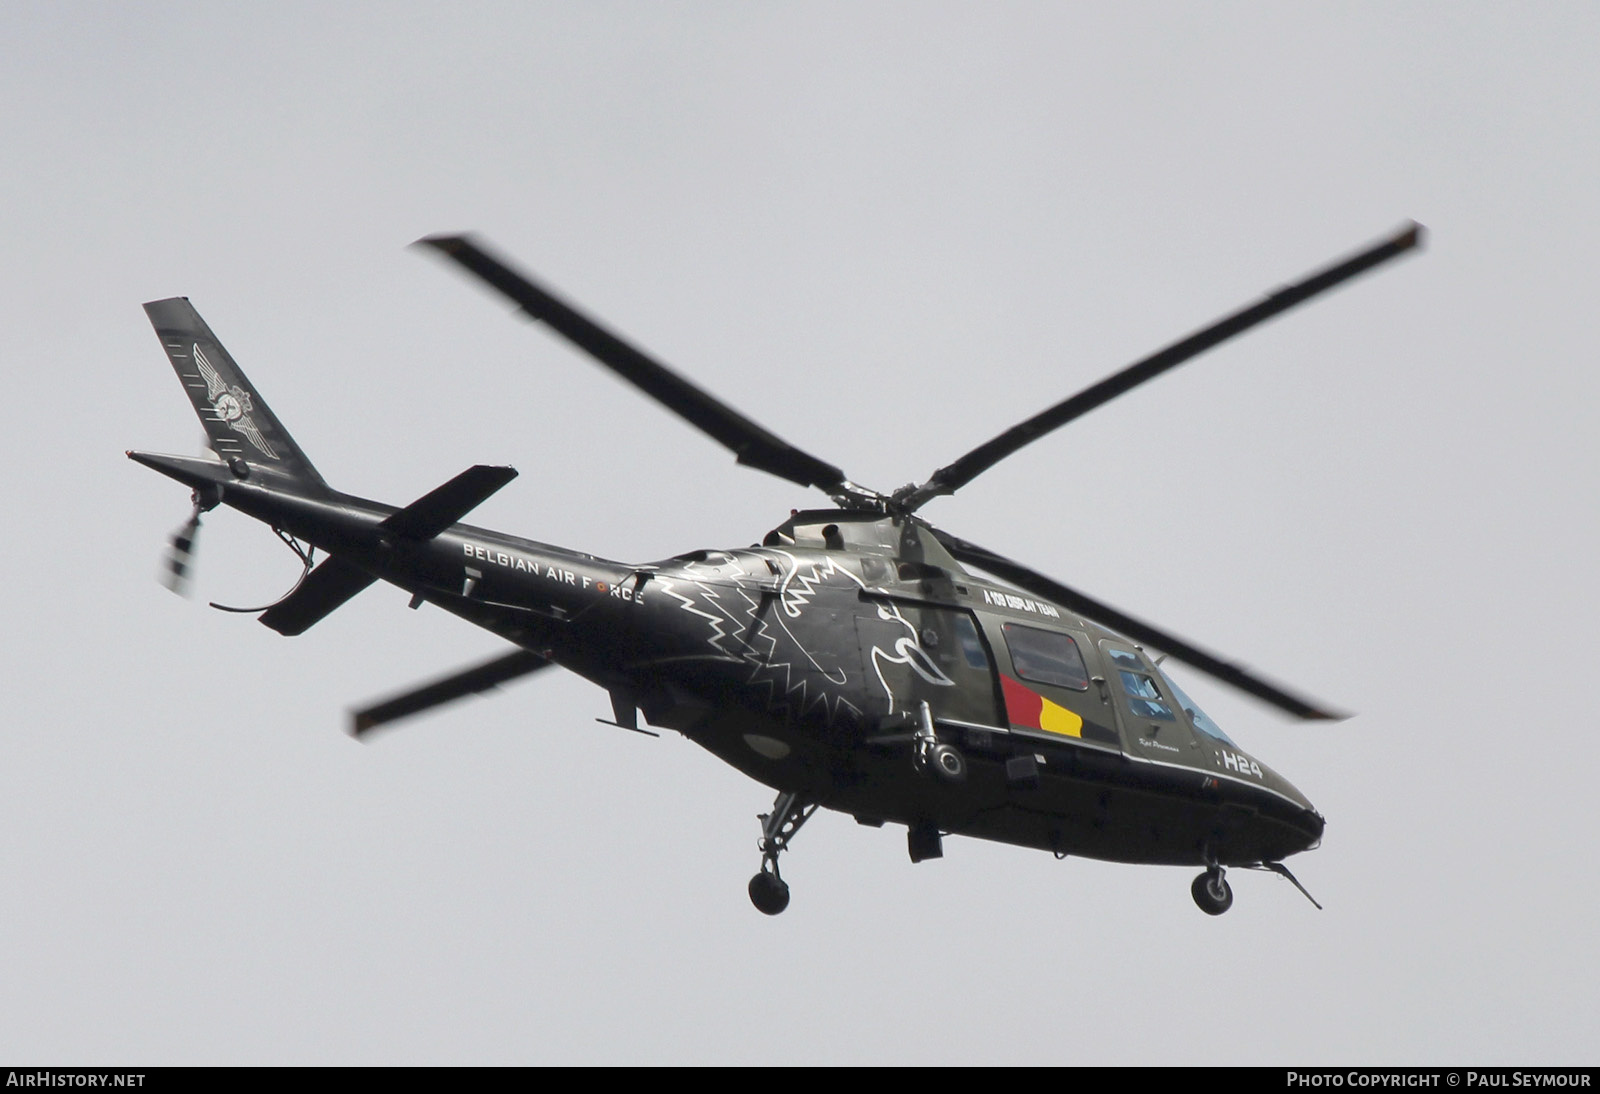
238,421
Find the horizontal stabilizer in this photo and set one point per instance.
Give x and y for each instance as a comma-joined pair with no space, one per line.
455,686
324,591
438,509
334,582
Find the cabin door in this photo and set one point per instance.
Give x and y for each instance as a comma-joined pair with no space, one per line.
913,652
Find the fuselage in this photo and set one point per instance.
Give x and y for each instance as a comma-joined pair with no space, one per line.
805,662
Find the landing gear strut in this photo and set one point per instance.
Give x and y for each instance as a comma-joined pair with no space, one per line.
1212,892
929,755
768,891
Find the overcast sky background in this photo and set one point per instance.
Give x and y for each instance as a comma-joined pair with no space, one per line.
886,231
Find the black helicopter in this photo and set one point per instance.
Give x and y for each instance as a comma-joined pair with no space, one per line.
851,661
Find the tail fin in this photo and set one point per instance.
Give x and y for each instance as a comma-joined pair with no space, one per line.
239,423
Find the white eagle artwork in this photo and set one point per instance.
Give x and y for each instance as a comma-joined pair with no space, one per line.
232,405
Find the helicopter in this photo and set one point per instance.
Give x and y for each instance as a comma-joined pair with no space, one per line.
855,659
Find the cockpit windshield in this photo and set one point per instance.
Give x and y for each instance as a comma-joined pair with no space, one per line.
1202,721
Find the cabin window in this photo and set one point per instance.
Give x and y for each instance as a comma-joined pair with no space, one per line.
1046,657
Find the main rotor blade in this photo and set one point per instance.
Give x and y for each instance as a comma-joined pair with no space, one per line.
1140,631
457,685
947,480
749,442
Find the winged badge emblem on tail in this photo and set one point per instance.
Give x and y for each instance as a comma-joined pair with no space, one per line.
231,405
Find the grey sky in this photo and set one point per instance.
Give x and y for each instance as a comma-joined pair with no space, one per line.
887,232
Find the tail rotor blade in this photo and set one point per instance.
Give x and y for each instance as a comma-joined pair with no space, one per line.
180,555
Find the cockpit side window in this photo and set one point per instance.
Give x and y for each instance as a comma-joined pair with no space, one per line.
1046,657
1144,696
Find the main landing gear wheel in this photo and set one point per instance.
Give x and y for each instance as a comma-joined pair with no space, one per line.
769,893
1212,892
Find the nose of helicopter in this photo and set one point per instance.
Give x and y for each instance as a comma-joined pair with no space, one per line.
1279,833
1313,824
1287,822
1299,826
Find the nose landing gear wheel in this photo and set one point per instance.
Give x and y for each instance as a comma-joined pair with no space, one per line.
1212,892
947,763
929,755
769,893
